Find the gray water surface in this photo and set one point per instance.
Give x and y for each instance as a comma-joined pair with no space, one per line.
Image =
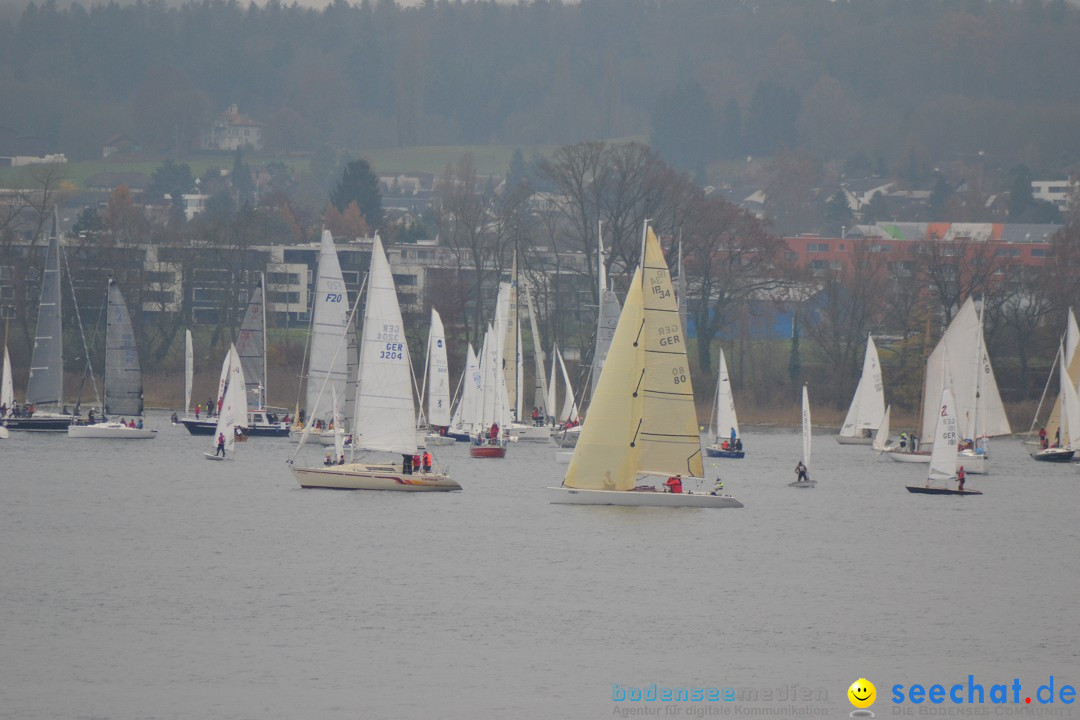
138,580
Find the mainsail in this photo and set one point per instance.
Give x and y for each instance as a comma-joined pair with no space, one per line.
726,419
385,413
123,377
189,370
807,430
232,404
943,457
46,386
977,403
439,372
251,346
7,387
329,322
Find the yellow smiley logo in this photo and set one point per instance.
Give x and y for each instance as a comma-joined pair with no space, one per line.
862,693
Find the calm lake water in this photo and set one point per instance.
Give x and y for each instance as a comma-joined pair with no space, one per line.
139,581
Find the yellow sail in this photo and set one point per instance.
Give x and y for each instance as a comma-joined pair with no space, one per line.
669,437
1054,422
607,453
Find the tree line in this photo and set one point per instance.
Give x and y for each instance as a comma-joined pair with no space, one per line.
891,86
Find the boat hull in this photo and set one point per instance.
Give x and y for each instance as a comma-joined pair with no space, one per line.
719,452
572,496
110,431
459,436
908,457
363,476
209,427
212,456
803,484
530,433
487,451
434,439
857,440
1058,455
940,491
39,423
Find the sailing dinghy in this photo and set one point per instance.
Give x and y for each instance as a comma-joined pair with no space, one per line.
642,422
232,410
803,479
943,460
725,444
868,405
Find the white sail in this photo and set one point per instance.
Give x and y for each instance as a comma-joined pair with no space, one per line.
7,387
943,457
1070,411
330,316
385,412
607,316
806,429
189,370
726,418
232,411
868,404
977,402
506,325
551,385
466,415
1072,359
1072,337
339,427
540,390
439,374
881,439
569,407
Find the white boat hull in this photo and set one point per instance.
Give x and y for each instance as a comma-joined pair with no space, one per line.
803,484
110,431
973,464
856,440
434,439
364,476
529,433
318,437
4,434
908,457
219,458
571,496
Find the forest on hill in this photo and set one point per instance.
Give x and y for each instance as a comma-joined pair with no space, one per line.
902,85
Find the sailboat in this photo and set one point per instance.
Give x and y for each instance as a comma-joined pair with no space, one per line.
385,419
725,444
805,480
1068,419
437,384
642,422
466,418
508,329
490,437
944,458
979,410
329,322
232,411
262,421
123,378
567,429
45,390
868,405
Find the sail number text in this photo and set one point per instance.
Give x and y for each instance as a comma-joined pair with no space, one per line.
669,335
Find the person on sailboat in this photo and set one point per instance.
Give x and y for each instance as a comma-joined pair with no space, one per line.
536,416
198,409
738,444
427,461
903,441
960,477
90,416
733,437
719,488
406,463
494,432
220,445
674,484
800,472
328,460
341,459
1043,443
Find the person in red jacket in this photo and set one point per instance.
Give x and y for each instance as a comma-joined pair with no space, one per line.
674,484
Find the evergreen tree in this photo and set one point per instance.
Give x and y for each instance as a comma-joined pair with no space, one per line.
939,198
359,184
171,178
240,178
838,214
1021,199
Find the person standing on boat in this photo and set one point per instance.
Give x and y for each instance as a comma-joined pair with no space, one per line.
198,409
903,441
800,472
494,432
220,445
719,488
1042,438
406,463
427,461
733,437
674,484
960,477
